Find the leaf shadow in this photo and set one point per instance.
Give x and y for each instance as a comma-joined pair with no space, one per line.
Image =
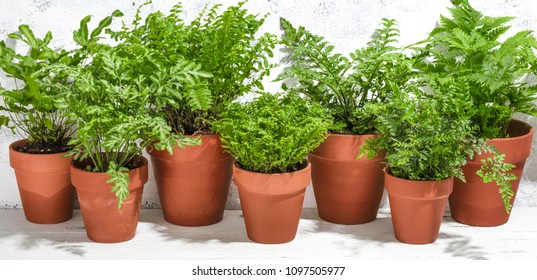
28,236
226,231
380,233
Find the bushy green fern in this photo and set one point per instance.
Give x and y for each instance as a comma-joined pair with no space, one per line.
113,100
344,85
162,42
272,133
227,44
469,46
224,44
425,135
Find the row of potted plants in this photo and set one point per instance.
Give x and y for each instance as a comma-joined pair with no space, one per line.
425,122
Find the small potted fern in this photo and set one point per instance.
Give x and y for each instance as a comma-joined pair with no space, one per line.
193,182
109,100
348,190
468,47
425,137
270,138
32,113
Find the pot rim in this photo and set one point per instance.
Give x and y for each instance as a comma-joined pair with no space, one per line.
386,171
235,165
294,174
13,144
144,162
530,132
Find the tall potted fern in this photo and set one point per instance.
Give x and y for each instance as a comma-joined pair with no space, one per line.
193,182
41,170
270,138
109,99
348,190
425,136
468,46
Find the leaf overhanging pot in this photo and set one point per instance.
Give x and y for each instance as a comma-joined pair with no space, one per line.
193,183
479,204
103,220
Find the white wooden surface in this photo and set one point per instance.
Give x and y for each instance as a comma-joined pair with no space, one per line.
316,239
164,251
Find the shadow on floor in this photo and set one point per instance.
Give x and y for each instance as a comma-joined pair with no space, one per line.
380,233
230,230
68,236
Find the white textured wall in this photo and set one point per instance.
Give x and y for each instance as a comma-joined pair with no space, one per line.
348,24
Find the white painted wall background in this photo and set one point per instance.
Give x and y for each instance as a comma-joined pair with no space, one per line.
348,24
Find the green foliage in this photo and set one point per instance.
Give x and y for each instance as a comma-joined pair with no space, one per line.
425,136
273,133
467,47
344,85
226,45
495,169
109,99
31,105
426,132
119,177
223,44
179,88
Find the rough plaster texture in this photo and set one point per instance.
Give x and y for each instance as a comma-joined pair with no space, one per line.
348,24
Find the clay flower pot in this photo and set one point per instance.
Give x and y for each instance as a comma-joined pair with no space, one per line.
271,203
417,207
347,190
193,183
44,185
104,222
479,204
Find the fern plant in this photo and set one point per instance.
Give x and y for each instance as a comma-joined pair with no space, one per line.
224,44
166,37
228,46
467,46
426,132
425,136
31,107
344,85
110,100
273,133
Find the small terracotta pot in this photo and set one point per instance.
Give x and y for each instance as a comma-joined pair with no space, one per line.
44,185
417,207
271,203
347,190
193,183
104,222
480,204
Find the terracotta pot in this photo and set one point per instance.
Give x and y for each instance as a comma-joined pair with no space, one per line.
193,183
271,203
347,190
480,204
44,185
417,207
104,222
